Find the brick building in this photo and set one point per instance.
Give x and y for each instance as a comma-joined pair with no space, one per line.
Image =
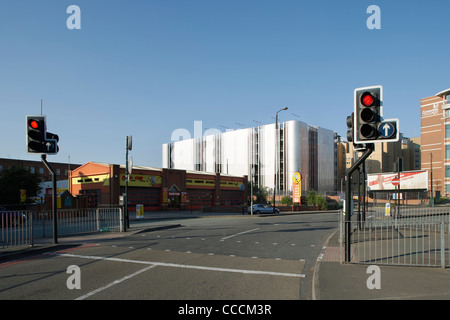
156,188
61,169
435,140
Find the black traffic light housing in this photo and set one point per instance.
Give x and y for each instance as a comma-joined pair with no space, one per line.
38,139
51,143
36,134
350,127
368,114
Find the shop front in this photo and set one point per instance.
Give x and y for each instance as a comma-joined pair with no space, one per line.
157,189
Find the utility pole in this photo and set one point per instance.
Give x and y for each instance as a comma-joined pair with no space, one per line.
276,158
127,173
54,205
348,196
432,196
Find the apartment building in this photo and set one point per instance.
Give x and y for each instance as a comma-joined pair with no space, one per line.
435,140
386,156
309,150
61,169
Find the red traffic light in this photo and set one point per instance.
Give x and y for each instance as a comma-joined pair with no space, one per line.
34,124
367,99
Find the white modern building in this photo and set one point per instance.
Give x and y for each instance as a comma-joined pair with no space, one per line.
302,148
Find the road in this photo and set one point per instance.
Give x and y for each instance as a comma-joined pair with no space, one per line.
240,257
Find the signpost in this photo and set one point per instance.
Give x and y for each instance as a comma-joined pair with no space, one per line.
365,127
395,181
388,131
296,188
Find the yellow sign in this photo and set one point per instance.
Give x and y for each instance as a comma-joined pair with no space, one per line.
387,210
296,178
141,180
139,211
23,195
200,182
296,187
103,178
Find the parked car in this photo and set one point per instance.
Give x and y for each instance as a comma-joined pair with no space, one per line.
263,208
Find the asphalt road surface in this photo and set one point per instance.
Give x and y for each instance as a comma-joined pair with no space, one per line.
223,258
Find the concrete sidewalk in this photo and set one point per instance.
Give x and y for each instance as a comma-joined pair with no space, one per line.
347,281
187,214
179,214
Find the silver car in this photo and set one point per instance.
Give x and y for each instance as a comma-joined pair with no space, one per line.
262,208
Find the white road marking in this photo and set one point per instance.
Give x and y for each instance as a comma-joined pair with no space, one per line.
234,235
87,295
322,252
185,266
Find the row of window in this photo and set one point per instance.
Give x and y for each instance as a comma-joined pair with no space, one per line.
41,170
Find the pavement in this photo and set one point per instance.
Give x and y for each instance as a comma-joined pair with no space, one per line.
335,280
332,279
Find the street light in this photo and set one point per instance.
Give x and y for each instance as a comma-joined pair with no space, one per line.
276,156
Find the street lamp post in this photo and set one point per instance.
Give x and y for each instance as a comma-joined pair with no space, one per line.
276,156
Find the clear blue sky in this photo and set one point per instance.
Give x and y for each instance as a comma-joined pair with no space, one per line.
147,68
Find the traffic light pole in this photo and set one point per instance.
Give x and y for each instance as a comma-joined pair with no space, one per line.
54,206
348,197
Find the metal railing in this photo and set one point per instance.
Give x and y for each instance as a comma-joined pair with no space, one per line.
416,236
20,228
75,221
15,228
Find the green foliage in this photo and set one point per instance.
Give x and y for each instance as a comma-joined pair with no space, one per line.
311,198
14,179
287,201
261,193
314,199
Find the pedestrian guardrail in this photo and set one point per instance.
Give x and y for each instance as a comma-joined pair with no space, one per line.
409,236
22,227
15,228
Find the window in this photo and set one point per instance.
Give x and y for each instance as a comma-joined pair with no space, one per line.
447,130
41,170
447,171
447,151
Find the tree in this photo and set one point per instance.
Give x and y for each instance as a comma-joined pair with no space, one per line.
314,199
286,200
311,198
13,180
259,192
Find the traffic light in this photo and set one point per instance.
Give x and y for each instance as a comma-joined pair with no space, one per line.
36,134
38,139
350,127
368,114
51,143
